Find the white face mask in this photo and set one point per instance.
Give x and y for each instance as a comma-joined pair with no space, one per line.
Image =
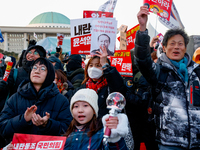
94,73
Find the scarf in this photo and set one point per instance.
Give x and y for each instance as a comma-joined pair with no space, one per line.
181,68
102,82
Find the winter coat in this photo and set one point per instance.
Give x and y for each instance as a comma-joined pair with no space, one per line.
115,84
79,140
177,118
47,99
76,77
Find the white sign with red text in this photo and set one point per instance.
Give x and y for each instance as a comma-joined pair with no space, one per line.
80,36
103,32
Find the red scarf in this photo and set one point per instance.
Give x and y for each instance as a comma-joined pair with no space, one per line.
102,82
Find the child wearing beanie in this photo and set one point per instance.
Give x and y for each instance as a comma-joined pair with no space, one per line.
86,129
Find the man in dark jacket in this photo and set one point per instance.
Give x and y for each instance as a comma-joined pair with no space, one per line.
177,107
37,107
75,72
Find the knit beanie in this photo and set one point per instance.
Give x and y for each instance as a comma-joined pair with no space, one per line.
86,95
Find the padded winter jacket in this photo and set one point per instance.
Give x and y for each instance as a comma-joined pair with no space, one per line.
178,110
47,99
79,140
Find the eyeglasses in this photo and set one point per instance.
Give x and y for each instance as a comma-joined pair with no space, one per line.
41,69
34,53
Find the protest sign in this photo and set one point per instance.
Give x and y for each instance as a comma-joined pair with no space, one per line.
60,38
130,37
97,14
38,142
123,41
160,38
174,21
80,36
103,33
122,61
160,7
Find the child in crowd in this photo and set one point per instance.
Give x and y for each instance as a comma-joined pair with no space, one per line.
86,130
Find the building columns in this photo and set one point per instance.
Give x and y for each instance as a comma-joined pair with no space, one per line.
44,35
25,42
5,41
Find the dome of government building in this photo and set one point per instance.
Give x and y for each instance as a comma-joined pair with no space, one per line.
50,19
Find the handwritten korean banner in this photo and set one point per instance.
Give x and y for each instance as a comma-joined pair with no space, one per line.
122,61
130,36
38,142
160,7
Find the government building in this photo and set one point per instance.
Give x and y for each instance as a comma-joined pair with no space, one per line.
44,25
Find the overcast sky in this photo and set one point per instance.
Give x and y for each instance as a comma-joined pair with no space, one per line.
21,12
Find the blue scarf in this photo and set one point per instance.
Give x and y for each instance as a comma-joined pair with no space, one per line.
181,68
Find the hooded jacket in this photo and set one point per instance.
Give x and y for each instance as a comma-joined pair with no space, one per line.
22,72
178,118
47,99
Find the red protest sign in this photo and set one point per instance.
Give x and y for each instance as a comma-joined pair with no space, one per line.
122,61
160,38
130,36
160,7
80,36
60,38
81,44
38,142
97,14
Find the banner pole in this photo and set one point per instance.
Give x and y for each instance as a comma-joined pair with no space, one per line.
156,24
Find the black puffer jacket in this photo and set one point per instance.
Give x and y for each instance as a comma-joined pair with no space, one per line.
178,118
47,99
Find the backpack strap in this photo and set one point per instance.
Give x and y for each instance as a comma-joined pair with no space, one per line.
15,75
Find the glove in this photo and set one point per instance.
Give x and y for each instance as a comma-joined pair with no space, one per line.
3,85
120,131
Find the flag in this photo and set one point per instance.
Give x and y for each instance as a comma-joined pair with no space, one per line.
1,37
108,6
174,21
35,35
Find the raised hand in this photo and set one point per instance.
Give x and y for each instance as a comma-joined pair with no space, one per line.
40,121
153,41
29,112
112,123
142,17
103,55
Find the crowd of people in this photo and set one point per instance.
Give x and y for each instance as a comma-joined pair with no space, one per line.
57,96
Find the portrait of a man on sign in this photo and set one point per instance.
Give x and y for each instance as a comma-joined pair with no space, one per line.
103,40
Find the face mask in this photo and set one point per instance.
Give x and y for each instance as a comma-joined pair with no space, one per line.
94,73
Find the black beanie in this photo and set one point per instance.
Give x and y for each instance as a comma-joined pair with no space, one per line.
50,71
39,49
